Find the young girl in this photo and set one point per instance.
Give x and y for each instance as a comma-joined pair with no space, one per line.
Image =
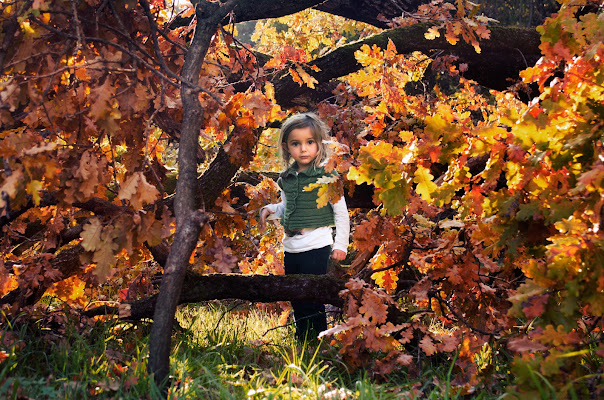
308,236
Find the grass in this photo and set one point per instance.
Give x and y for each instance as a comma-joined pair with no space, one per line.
218,354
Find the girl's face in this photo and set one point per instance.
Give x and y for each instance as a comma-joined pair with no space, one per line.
302,146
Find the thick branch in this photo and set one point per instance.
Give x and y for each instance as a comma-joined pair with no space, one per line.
67,262
257,288
368,10
246,10
509,51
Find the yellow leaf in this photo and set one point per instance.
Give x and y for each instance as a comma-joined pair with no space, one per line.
329,190
306,78
425,187
432,33
34,188
27,29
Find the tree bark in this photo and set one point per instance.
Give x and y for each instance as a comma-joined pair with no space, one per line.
189,221
368,10
255,288
67,262
502,57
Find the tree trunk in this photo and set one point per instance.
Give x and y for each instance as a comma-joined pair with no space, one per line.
189,221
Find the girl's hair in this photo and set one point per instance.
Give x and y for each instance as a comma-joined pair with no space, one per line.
319,130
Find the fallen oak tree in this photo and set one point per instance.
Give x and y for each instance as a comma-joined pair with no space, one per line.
255,288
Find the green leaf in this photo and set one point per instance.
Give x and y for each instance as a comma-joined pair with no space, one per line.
527,211
395,199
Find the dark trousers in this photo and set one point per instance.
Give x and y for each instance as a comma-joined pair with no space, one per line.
310,317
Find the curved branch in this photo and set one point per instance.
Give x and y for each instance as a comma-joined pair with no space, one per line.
67,262
369,11
502,57
461,319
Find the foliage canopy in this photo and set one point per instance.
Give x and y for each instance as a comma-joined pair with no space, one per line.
486,213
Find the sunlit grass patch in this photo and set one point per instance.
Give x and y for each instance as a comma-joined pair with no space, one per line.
221,350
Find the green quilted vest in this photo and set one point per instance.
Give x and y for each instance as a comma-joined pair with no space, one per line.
300,206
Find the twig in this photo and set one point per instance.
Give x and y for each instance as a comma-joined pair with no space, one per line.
459,317
78,26
237,304
153,32
167,76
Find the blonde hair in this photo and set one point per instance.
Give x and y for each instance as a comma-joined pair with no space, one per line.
319,130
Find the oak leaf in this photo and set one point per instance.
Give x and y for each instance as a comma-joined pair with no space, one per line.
427,346
91,235
34,187
138,191
373,307
524,344
425,187
535,307
329,190
104,257
421,288
10,186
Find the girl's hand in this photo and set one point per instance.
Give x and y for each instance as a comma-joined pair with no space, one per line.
263,215
338,255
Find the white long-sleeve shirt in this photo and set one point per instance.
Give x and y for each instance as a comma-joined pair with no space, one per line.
315,238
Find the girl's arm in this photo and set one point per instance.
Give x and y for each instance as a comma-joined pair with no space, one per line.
272,211
340,246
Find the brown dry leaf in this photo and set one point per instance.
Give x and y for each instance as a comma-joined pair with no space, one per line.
448,343
150,229
427,345
91,235
535,306
11,185
524,343
101,96
420,289
224,260
138,191
373,308
454,275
